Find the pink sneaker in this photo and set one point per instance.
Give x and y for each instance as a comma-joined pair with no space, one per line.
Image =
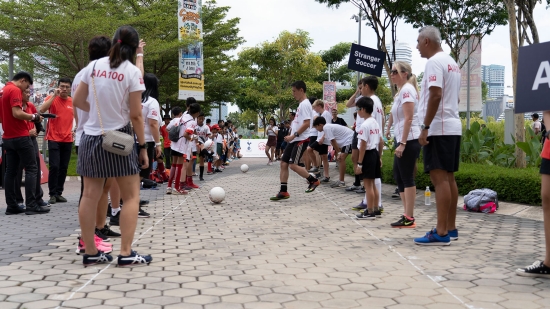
81,248
99,241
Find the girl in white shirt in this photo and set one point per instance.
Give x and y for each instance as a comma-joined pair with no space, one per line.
115,84
271,130
407,130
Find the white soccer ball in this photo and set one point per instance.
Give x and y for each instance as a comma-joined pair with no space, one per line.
244,168
216,195
209,145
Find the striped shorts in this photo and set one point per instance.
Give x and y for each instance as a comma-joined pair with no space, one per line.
95,162
294,151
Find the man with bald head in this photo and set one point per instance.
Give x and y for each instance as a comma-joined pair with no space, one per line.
440,134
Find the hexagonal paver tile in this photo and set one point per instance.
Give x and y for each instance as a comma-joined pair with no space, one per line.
202,299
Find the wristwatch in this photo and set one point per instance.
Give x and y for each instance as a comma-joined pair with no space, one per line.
296,134
424,127
142,146
360,165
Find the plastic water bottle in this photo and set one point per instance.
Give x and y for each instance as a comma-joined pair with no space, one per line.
427,197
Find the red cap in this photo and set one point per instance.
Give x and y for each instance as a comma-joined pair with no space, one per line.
215,127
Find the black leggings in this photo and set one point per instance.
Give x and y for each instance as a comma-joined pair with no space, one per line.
403,168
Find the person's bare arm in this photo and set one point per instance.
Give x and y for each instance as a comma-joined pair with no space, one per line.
434,100
139,59
18,113
351,101
46,105
335,145
408,111
79,99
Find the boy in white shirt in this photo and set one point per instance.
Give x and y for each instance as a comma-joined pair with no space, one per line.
370,149
203,133
318,145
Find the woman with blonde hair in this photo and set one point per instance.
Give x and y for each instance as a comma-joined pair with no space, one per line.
407,130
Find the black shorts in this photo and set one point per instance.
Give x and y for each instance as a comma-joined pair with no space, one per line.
355,141
175,153
321,149
442,153
312,139
279,144
294,151
545,166
346,149
371,165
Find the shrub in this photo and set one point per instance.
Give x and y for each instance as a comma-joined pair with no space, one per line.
512,185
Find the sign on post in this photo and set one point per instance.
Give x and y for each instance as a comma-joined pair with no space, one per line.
476,103
366,60
329,95
533,80
191,60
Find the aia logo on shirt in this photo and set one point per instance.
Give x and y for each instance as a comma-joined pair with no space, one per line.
154,113
141,82
433,78
406,95
453,68
361,132
375,131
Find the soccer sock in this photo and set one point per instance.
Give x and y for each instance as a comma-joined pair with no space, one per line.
178,176
194,165
284,186
210,167
357,182
201,171
408,218
172,175
378,184
189,180
311,178
114,211
365,200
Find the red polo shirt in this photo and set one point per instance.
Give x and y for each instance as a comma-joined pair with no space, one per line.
13,127
60,129
164,134
30,110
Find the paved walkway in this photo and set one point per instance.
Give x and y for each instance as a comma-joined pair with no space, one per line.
248,252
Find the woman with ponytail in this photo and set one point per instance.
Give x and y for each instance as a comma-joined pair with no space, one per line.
407,130
110,90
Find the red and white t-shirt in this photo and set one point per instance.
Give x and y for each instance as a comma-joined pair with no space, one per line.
442,71
303,113
150,110
184,123
378,111
60,128
369,131
407,95
12,96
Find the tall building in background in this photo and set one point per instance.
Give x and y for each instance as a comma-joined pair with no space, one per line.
493,76
215,113
403,52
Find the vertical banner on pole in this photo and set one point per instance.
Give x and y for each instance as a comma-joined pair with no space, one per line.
191,64
329,95
476,103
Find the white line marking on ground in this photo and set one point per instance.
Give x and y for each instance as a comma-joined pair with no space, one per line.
435,279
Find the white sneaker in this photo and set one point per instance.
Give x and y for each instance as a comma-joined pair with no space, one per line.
169,190
270,163
314,170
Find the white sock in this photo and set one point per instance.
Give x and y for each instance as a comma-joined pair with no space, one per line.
114,211
365,200
378,184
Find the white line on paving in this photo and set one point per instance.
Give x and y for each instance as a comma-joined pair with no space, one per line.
436,280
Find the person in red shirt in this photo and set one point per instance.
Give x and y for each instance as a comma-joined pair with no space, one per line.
34,130
164,134
18,145
59,134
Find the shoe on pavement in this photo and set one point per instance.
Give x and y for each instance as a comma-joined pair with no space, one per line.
43,204
366,215
143,214
395,194
325,180
134,259
179,192
353,188
15,210
201,178
193,186
536,270
52,200
338,184
433,239
169,190
100,245
280,196
115,220
60,199
210,173
404,223
360,191
314,170
143,202
361,206
37,210
312,186
100,235
106,230
453,234
99,258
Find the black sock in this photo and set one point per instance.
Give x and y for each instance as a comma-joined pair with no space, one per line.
311,178
201,168
284,186
357,182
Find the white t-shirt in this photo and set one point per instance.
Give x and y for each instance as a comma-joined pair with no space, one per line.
343,135
370,133
358,120
113,87
537,125
378,111
203,133
407,94
150,109
303,113
443,72
185,122
328,117
272,130
82,115
219,138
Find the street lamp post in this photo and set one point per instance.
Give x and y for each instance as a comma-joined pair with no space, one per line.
358,19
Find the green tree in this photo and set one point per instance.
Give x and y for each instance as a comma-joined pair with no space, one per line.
484,91
334,59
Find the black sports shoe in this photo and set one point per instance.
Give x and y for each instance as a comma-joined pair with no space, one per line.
143,214
101,235
37,210
353,188
115,220
134,259
366,215
378,213
106,230
395,194
143,202
201,179
360,191
536,270
109,214
99,258
404,223
16,210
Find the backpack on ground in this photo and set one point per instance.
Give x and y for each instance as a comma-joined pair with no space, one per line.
481,200
148,183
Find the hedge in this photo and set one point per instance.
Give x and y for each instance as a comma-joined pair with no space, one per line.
512,185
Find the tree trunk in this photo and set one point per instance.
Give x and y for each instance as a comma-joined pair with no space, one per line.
514,45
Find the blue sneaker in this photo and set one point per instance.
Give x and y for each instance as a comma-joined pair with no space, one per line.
361,207
134,259
432,239
453,234
99,258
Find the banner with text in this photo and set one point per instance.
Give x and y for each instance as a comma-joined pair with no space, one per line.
329,95
366,60
533,81
476,103
191,64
